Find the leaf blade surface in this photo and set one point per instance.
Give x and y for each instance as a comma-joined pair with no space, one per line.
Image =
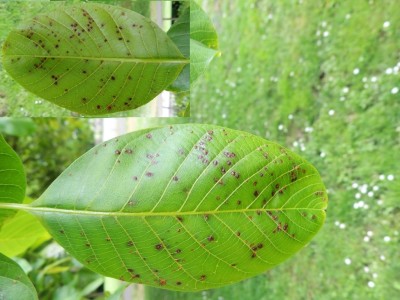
12,179
186,207
14,284
92,59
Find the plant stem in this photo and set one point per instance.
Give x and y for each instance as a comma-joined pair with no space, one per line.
17,206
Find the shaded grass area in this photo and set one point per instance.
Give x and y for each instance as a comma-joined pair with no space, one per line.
321,78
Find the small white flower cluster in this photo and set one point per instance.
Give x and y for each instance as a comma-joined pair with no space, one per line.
363,189
340,225
299,144
389,177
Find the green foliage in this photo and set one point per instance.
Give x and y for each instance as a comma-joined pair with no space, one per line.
14,284
57,54
12,179
17,126
21,232
46,152
57,276
180,35
171,203
203,41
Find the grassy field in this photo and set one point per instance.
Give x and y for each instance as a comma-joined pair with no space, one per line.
322,78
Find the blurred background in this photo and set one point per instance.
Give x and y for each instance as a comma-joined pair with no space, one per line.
319,77
17,102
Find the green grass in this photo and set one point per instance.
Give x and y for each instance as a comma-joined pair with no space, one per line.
278,75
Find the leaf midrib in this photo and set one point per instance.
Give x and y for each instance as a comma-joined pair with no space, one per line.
120,59
146,213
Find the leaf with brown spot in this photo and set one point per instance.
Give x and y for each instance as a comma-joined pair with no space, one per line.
178,227
65,55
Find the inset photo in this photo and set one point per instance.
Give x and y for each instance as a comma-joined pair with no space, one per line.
95,58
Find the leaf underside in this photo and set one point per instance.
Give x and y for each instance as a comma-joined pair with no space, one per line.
92,59
12,179
186,207
14,284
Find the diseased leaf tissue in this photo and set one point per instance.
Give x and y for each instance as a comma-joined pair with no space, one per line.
185,207
93,59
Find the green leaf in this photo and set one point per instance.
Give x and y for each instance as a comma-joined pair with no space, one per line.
14,284
203,41
185,207
21,232
92,59
12,179
180,35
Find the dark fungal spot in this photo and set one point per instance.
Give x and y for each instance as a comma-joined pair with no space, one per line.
210,238
117,152
130,270
98,106
238,233
239,202
108,239
62,231
88,245
112,77
162,282
149,136
179,218
149,174
128,151
203,277
135,178
256,193
130,243
175,178
178,283
229,154
178,250
159,246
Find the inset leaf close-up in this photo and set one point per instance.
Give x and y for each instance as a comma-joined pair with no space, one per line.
93,59
184,207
